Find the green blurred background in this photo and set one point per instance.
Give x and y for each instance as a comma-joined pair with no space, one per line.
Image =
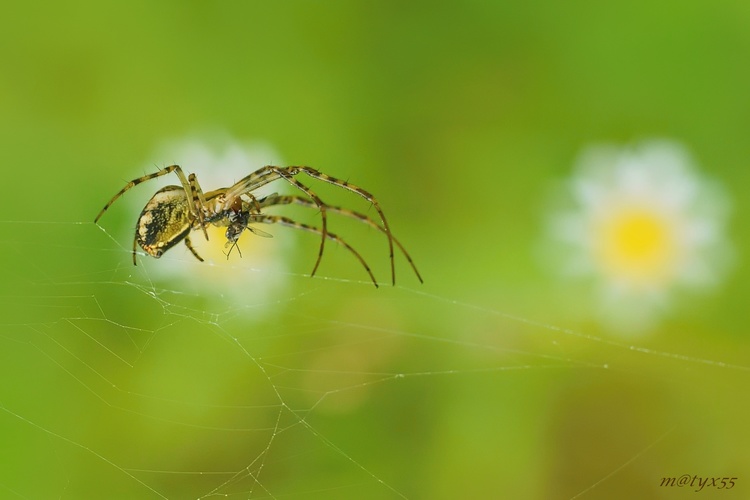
459,117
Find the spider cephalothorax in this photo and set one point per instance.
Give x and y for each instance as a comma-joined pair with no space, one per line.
175,211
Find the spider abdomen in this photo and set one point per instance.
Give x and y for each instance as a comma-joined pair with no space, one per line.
164,221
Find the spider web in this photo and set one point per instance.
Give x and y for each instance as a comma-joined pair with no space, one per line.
121,382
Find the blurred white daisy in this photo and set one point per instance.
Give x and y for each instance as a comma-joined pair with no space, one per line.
219,161
641,224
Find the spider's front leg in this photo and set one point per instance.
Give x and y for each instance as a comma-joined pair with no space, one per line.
199,204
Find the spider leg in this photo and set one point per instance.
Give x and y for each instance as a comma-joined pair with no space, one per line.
286,221
276,199
191,187
323,218
362,193
250,183
135,241
129,185
198,201
189,244
135,182
270,173
254,201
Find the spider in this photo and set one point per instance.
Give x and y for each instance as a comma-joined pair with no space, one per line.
174,211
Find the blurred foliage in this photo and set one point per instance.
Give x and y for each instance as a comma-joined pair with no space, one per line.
459,116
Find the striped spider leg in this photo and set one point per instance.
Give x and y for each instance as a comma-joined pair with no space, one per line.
270,173
276,200
286,221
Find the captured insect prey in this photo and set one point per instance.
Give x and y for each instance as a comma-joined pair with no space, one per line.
175,211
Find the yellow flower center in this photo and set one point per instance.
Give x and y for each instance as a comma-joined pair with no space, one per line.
637,245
